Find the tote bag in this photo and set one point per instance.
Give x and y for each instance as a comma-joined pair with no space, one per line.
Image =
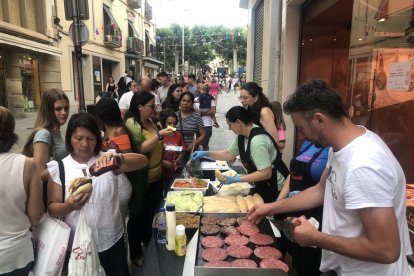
84,259
51,239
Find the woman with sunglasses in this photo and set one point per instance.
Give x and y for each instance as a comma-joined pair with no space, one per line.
146,139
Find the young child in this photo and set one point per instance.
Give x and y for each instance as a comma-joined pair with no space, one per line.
171,158
204,100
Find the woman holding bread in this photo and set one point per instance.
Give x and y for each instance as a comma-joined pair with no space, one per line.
101,206
260,156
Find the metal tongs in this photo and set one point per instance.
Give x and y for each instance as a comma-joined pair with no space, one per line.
193,167
286,225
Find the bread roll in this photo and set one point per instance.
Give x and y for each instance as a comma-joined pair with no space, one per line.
219,176
242,203
249,201
80,185
257,199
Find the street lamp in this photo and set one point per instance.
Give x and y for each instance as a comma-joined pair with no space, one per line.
186,10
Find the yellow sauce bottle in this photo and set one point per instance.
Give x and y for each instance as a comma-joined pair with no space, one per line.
180,240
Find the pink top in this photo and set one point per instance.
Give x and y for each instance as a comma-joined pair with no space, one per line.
214,89
281,133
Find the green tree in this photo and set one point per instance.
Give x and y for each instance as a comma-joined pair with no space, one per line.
202,44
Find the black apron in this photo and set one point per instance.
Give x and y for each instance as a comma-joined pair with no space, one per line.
267,189
301,179
306,260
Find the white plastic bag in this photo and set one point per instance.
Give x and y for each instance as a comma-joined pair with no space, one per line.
51,238
84,260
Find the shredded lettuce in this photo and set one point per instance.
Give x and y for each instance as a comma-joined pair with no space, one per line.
189,201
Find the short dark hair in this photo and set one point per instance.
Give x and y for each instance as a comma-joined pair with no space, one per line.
107,112
155,84
240,113
315,96
7,124
192,76
162,74
87,121
187,94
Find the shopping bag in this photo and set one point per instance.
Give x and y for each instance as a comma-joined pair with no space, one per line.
51,238
84,260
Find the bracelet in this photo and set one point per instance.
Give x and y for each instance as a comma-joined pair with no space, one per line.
160,137
121,155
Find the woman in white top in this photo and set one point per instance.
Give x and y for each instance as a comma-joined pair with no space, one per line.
20,205
101,206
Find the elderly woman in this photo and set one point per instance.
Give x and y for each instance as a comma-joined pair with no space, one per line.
189,121
147,139
260,157
252,98
21,202
101,206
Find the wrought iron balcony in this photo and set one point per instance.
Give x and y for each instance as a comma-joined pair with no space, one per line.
135,4
112,36
148,11
134,45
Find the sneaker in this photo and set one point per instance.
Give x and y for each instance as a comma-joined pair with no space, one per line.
216,125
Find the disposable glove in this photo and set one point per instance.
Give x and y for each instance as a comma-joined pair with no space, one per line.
231,179
199,154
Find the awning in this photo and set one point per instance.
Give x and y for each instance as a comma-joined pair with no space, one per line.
153,60
108,12
133,56
136,34
28,44
151,40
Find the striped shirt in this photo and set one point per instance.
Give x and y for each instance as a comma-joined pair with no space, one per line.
191,125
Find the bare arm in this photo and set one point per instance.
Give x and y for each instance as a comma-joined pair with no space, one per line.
33,187
221,155
284,193
123,112
200,138
150,143
41,155
267,119
380,242
133,161
307,199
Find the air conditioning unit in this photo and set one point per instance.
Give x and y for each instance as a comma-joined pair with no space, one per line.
135,4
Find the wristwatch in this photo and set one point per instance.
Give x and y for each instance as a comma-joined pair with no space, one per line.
160,137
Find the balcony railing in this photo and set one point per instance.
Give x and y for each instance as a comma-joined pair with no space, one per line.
134,45
148,11
135,4
112,36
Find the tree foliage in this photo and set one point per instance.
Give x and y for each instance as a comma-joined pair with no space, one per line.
202,44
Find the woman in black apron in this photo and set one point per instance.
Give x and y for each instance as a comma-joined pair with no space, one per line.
265,179
305,171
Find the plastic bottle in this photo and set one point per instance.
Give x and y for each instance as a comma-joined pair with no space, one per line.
161,227
180,241
170,215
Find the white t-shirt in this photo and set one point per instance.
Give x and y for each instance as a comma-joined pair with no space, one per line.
157,102
125,100
207,120
363,174
162,93
102,209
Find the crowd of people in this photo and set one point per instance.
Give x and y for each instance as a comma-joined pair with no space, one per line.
344,175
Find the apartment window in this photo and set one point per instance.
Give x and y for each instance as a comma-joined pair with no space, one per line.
112,32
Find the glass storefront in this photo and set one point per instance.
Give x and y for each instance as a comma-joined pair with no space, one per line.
29,70
365,50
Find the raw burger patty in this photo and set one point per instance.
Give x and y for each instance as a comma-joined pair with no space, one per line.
248,228
212,242
209,229
240,220
273,263
214,254
244,263
217,264
210,220
227,222
267,252
236,240
261,239
228,230
239,252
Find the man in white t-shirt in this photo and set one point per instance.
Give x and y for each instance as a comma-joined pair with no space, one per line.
164,81
143,84
364,227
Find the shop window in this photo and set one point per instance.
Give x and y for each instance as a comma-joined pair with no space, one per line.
29,70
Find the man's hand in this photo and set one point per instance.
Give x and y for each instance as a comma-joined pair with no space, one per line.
259,211
305,234
199,154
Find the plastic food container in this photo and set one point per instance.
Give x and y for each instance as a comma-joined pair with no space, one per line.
178,180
